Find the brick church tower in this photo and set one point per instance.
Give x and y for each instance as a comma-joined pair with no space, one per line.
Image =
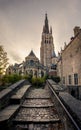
47,47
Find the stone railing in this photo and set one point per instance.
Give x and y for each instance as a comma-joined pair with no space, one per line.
7,93
67,119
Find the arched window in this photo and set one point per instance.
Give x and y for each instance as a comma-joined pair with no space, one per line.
31,72
31,62
35,73
42,73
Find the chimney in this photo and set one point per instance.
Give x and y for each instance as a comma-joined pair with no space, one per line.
76,30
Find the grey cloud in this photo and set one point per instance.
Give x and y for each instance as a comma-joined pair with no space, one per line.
21,23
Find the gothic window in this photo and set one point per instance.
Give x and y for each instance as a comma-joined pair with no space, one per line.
76,79
42,73
31,72
69,79
31,62
20,72
63,80
26,72
35,73
9,72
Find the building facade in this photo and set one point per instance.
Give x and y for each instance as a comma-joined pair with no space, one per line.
70,63
71,60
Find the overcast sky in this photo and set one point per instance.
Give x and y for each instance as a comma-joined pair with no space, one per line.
21,24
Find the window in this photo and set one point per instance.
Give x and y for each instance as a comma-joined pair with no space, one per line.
31,62
75,79
63,80
45,41
69,79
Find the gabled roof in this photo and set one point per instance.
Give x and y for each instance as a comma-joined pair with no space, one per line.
31,53
32,56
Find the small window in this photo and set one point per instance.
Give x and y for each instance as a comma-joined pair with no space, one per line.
45,41
31,62
75,79
69,79
63,80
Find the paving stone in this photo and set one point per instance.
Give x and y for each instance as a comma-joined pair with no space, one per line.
37,108
37,114
38,93
38,103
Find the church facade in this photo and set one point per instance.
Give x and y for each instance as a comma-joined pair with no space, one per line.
48,59
30,65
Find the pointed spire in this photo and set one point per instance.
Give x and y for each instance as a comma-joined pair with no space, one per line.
46,26
50,30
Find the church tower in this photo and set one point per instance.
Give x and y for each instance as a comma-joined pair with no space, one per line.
47,47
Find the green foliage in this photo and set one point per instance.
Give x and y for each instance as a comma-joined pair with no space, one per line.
14,78
38,82
10,79
28,77
55,78
3,60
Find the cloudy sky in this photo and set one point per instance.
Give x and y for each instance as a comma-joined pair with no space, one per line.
21,24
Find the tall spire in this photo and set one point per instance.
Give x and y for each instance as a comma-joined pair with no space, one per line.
46,26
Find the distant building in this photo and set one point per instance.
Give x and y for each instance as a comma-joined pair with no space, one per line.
31,65
59,65
14,69
48,58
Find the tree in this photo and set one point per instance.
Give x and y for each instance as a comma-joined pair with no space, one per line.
3,60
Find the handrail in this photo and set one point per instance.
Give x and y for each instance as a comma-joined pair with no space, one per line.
69,115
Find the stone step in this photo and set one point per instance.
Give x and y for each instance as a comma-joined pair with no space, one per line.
38,93
37,103
37,115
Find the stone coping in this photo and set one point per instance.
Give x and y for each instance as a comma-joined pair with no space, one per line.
9,89
6,113
5,92
51,82
56,87
72,103
20,93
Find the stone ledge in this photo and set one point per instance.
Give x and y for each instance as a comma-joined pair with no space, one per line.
73,105
8,112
